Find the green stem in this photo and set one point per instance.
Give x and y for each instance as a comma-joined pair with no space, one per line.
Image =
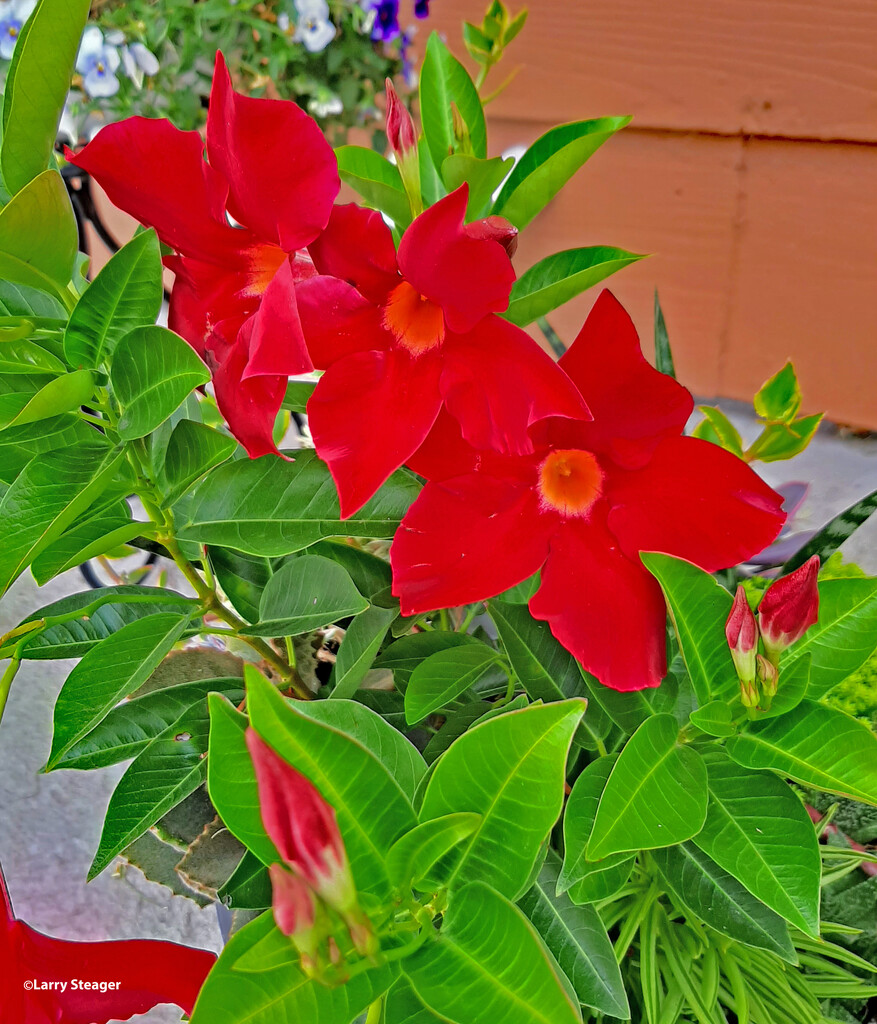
6,683
470,616
633,920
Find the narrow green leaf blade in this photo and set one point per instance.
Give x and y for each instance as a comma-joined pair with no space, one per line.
445,675
361,642
63,394
663,352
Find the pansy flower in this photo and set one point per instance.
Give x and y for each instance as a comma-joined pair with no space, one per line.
582,507
13,15
236,223
312,26
401,336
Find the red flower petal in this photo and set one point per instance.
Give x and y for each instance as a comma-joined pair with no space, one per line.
444,453
696,501
605,609
337,321
497,382
157,174
468,277
468,539
276,343
249,406
281,172
368,413
633,405
357,246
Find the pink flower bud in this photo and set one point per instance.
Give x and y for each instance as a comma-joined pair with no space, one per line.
293,901
400,127
742,635
790,606
302,826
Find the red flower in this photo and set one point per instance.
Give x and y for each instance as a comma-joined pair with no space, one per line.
271,171
143,972
402,336
790,606
582,507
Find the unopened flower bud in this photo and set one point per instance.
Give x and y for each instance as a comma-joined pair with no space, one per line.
742,635
768,676
748,694
462,139
292,901
497,229
790,606
400,127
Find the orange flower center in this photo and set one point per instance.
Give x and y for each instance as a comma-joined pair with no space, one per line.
417,323
570,481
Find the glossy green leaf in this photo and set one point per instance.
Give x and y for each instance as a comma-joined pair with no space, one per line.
403,656
83,541
242,578
510,769
49,494
719,900
372,809
589,881
152,373
249,886
443,81
627,710
304,594
815,745
715,719
20,355
63,394
842,639
192,451
371,575
577,939
38,238
717,428
126,293
548,164
132,725
699,608
443,676
361,641
482,176
278,996
656,794
298,392
401,1006
18,445
268,506
376,180
663,352
395,752
171,767
556,279
779,398
779,441
410,858
757,829
489,963
113,669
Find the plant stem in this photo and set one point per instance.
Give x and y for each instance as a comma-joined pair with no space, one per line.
6,683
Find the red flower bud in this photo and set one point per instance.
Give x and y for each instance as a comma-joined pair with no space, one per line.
293,902
302,826
790,606
400,127
497,229
742,635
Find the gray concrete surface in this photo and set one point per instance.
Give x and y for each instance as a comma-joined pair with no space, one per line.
50,824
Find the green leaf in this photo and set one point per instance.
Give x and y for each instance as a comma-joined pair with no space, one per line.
38,238
395,752
115,668
627,710
83,541
556,279
126,293
548,164
410,858
192,451
269,506
663,352
482,176
443,81
242,578
37,84
715,719
489,963
376,180
231,996
757,829
171,767
720,901
834,533
358,649
815,745
152,373
779,441
403,656
49,494
371,575
132,725
794,686
589,881
298,392
699,608
656,794
443,676
511,770
19,355
249,887
401,1006
304,594
372,809
18,445
63,394
577,939
779,398
843,637
717,428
